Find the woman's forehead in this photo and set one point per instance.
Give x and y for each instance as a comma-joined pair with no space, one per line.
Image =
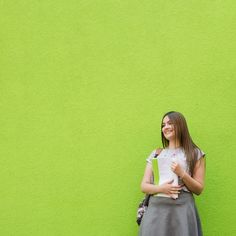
166,119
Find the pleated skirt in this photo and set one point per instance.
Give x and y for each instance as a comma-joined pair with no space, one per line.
169,217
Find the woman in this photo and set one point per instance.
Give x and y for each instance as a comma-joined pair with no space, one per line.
172,210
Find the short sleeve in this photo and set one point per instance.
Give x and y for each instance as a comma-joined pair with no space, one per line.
200,153
151,156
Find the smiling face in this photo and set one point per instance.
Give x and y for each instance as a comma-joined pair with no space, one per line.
174,134
168,129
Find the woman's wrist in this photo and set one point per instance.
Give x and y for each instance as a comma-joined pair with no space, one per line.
183,174
158,188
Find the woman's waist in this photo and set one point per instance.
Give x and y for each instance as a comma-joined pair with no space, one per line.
183,193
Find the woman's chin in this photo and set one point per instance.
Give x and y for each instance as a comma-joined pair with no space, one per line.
170,138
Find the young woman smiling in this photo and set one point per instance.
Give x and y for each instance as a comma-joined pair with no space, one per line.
181,163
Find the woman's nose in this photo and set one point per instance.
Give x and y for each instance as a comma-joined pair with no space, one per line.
167,126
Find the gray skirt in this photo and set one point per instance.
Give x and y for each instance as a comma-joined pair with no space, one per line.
169,217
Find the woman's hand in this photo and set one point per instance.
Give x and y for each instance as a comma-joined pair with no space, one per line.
176,168
169,189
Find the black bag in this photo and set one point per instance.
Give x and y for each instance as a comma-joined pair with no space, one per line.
142,208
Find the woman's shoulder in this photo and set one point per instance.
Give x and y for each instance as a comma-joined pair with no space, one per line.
199,153
153,154
159,150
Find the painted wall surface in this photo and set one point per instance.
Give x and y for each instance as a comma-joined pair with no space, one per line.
83,87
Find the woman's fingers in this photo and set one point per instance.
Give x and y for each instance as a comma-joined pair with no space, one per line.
175,191
170,182
173,166
176,188
170,189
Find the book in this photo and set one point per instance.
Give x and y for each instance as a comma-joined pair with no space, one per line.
162,172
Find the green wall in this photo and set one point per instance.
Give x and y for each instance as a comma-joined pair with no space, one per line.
83,87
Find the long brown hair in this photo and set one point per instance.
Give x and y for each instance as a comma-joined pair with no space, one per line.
182,135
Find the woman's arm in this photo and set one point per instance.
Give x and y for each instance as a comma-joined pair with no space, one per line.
194,183
149,188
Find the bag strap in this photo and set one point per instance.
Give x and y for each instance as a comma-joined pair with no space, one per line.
155,166
158,151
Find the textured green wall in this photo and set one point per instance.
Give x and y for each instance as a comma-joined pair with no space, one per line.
83,86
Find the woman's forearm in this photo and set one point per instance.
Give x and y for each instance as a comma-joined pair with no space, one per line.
192,184
150,188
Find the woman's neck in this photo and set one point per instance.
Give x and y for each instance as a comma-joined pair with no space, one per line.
173,144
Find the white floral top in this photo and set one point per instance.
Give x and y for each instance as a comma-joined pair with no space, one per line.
165,160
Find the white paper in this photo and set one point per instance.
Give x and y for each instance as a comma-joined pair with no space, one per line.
175,177
166,174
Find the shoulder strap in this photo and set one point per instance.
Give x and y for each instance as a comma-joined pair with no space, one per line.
158,151
155,166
